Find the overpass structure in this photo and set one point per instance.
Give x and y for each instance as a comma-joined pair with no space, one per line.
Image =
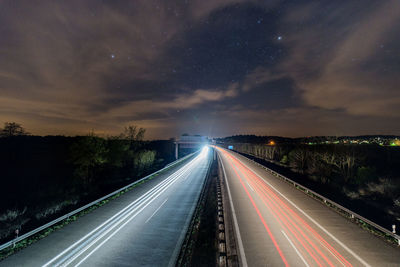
193,142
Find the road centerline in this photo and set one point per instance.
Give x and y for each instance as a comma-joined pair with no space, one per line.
295,249
154,213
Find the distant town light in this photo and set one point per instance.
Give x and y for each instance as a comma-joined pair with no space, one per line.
395,142
271,143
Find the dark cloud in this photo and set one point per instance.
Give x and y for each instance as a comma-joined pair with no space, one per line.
275,94
215,67
345,62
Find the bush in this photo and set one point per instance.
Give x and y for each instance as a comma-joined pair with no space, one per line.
365,174
11,220
284,159
144,160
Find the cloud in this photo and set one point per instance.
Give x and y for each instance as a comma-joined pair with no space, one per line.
81,60
69,66
347,62
180,102
202,8
259,76
200,96
286,121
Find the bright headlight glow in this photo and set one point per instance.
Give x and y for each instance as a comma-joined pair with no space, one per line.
204,151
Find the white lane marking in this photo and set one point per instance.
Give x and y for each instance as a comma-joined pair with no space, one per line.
85,246
142,198
154,213
172,262
240,243
250,186
311,219
104,241
298,253
72,256
116,231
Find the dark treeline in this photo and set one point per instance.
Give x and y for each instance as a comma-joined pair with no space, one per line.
255,139
361,177
44,177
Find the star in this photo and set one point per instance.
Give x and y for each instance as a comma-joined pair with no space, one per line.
279,38
112,56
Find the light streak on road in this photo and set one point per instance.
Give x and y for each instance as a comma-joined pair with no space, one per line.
261,217
311,248
75,253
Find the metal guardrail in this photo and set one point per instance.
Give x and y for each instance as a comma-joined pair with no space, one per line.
329,202
72,213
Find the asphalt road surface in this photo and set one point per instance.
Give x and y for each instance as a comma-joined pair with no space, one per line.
143,227
277,225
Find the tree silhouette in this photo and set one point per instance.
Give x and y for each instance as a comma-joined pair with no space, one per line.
298,158
87,153
144,160
12,129
134,136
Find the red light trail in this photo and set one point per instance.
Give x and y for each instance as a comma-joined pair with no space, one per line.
303,236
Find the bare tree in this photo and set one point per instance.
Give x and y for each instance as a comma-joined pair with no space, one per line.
12,129
132,133
343,159
345,163
298,159
270,152
319,167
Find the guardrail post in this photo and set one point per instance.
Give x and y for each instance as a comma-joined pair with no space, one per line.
16,236
394,228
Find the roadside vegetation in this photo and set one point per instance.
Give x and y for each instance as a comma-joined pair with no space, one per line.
364,178
45,177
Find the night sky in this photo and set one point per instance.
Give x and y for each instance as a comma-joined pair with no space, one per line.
217,67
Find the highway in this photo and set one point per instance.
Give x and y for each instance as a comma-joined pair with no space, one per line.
143,227
278,225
